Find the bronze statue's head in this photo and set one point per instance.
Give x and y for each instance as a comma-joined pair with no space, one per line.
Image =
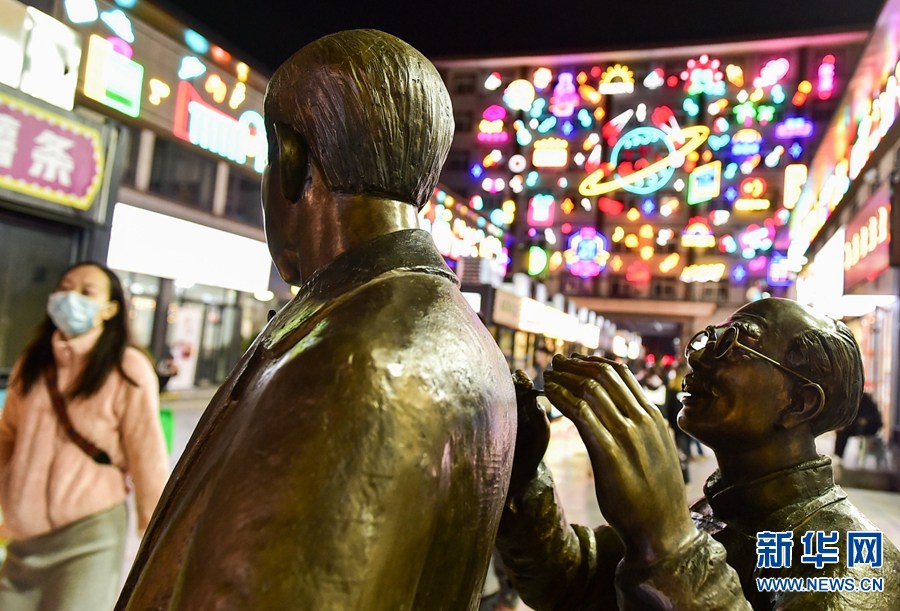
372,113
774,365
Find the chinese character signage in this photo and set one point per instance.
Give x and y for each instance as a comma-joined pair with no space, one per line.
867,240
48,156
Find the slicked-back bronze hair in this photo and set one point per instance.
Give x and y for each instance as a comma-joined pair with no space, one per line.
830,357
373,110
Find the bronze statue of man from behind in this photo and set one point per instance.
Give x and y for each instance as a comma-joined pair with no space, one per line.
359,454
763,385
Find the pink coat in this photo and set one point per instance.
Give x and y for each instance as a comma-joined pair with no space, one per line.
46,481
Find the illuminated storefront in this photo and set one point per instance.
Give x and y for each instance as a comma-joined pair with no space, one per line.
56,170
189,201
846,214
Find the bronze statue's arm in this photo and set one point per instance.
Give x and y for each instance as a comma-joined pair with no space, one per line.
695,578
555,565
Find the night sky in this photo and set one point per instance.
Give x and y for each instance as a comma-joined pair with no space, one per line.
266,32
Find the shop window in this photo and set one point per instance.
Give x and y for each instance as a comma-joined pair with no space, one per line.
464,83
242,201
620,287
457,161
131,139
714,291
463,121
183,175
663,288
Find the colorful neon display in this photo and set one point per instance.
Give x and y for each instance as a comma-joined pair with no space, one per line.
541,210
491,128
565,98
704,183
698,234
703,272
703,76
550,153
794,127
650,176
617,79
209,128
112,79
826,77
587,253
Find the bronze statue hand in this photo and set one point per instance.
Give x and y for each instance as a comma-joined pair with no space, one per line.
532,434
637,475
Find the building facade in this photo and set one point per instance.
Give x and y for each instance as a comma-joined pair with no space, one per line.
844,228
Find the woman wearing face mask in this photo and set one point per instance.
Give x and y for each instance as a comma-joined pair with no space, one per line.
80,425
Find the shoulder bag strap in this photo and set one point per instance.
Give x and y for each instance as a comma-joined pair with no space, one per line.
59,406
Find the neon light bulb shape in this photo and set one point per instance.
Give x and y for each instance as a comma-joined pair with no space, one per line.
81,11
564,98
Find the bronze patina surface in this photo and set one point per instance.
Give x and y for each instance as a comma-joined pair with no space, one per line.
763,385
358,456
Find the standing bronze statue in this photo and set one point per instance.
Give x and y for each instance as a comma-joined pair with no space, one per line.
763,386
359,454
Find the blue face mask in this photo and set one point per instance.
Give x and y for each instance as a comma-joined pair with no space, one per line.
72,312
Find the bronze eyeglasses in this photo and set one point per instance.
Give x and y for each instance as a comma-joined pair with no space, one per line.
724,343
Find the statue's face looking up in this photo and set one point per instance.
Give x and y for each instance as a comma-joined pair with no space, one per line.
741,379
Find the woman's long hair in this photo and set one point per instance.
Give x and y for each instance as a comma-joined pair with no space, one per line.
106,354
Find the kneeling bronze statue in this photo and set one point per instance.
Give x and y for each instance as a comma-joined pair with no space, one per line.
763,385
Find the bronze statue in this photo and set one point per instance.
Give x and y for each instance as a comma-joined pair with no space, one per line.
359,454
763,385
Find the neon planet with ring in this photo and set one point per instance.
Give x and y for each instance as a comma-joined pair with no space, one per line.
653,177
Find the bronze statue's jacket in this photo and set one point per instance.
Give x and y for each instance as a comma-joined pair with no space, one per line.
356,459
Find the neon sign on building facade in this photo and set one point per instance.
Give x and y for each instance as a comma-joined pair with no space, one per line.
191,87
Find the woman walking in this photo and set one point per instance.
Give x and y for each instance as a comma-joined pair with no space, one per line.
79,428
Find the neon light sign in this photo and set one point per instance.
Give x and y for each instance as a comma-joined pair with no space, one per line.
794,179
541,210
550,153
491,129
826,77
644,177
212,130
616,80
703,76
704,272
519,95
587,254
772,72
564,98
698,234
794,127
113,79
704,183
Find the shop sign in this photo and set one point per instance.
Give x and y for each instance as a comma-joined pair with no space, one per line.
867,240
48,156
40,55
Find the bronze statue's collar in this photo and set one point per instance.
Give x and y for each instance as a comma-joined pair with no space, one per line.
791,493
409,249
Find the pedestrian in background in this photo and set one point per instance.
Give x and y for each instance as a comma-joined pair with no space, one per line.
80,425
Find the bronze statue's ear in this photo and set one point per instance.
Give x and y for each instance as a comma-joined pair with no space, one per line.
293,161
808,403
